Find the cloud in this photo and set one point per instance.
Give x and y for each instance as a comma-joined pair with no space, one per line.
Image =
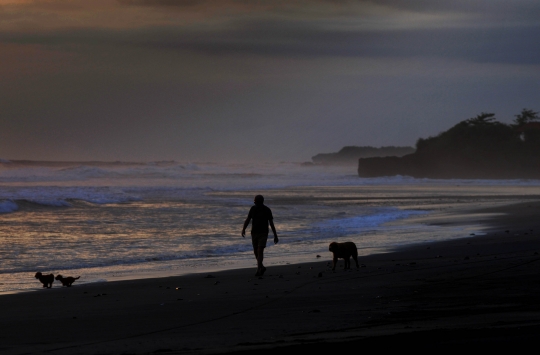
504,45
512,45
107,79
168,3
483,31
346,14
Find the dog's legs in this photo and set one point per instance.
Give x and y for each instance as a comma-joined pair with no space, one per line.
347,263
355,257
335,263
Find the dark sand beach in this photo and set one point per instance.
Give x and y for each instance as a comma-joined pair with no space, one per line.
476,293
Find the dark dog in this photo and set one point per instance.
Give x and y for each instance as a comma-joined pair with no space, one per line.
67,281
344,251
46,280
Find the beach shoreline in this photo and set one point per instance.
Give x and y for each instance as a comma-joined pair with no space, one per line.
483,285
219,264
158,237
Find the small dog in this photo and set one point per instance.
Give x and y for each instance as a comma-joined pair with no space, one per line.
344,251
46,280
67,281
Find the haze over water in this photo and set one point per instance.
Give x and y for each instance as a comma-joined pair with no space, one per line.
105,221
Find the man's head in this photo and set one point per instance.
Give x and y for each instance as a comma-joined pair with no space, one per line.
259,200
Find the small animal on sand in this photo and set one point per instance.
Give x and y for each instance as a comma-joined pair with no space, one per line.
67,281
46,280
344,251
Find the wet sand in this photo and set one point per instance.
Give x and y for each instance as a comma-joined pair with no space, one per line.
475,293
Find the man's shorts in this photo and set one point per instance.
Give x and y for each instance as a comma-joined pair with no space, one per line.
259,239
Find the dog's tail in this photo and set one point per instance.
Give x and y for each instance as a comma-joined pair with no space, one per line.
76,278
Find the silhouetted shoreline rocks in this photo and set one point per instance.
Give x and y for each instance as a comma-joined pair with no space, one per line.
349,155
477,148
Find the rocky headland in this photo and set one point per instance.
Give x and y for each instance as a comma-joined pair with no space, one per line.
477,148
349,155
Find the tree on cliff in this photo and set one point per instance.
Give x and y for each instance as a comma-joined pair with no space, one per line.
481,119
526,116
478,147
471,140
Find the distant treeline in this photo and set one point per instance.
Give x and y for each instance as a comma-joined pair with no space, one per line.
351,154
479,147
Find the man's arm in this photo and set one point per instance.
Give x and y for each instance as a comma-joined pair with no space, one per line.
276,240
246,223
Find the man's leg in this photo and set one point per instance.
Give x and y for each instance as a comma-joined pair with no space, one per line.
260,258
256,252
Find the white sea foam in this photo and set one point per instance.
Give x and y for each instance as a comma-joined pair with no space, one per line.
84,172
370,219
58,196
124,182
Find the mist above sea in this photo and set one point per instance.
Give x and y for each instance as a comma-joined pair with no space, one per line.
105,221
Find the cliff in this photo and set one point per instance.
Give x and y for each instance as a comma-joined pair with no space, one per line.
477,148
349,155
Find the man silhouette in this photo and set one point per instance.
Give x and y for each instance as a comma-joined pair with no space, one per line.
262,217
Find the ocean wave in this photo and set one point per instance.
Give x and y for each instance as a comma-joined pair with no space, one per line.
215,176
52,203
79,173
86,172
55,196
8,206
374,218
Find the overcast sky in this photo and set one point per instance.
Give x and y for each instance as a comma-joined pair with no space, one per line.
245,80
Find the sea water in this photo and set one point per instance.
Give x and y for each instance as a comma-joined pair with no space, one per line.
107,221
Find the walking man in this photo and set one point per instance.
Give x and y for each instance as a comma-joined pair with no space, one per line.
262,217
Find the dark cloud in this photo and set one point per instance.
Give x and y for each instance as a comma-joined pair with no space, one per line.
477,6
168,3
515,45
495,45
517,9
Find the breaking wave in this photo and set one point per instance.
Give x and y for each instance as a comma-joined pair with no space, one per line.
8,206
59,184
